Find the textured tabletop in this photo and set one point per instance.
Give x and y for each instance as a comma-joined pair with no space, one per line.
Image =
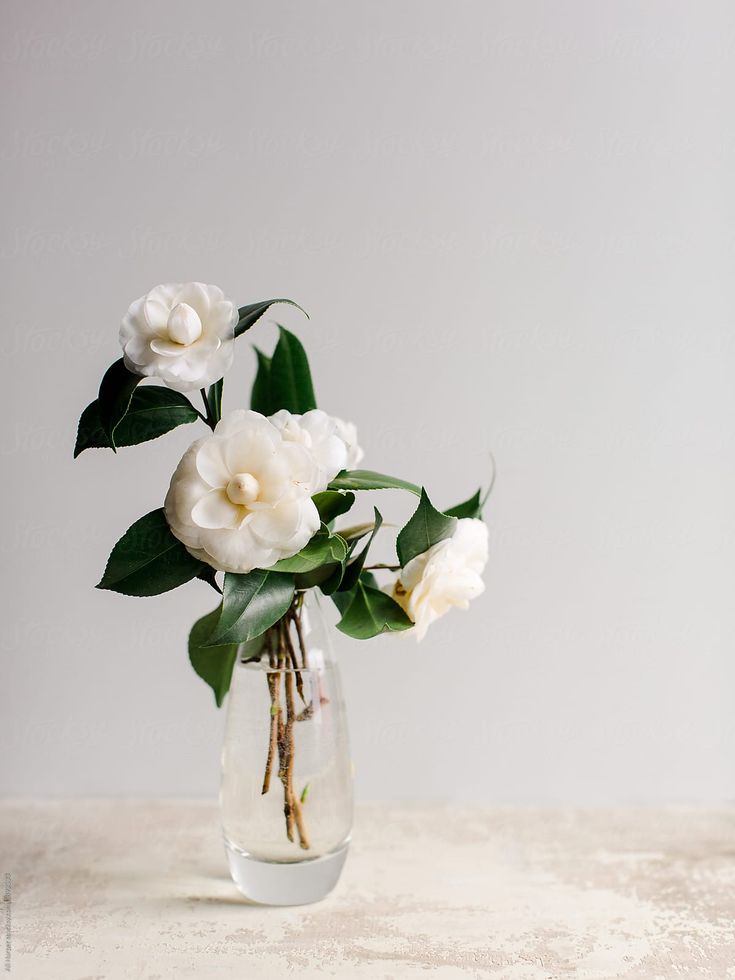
107,889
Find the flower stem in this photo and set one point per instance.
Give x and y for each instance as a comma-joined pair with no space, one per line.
274,688
208,417
285,740
284,670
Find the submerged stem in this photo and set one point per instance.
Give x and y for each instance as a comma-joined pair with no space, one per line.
285,670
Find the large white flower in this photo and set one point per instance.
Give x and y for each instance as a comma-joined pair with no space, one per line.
180,333
241,498
447,575
332,442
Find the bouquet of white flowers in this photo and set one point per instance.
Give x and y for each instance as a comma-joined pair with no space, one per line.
259,497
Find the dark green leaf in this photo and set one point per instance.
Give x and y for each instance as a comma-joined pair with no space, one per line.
251,604
470,508
115,394
367,578
249,315
207,574
290,378
426,527
260,396
352,572
367,480
331,504
371,612
214,400
148,559
322,549
213,664
343,600
153,411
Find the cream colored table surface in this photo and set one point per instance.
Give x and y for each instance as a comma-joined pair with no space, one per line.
108,889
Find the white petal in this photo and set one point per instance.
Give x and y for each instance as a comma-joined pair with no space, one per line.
236,551
166,348
198,296
216,510
287,526
211,463
158,304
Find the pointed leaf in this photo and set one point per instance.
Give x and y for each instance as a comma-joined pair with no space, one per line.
372,612
116,391
291,386
153,411
331,504
249,315
470,508
214,400
148,559
354,568
260,395
322,549
252,602
213,664
368,480
426,527
207,574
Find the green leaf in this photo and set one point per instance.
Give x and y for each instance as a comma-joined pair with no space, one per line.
470,508
326,577
207,574
249,315
251,604
354,568
153,411
148,559
214,400
260,395
367,578
115,394
213,664
322,549
368,480
371,612
331,504
426,527
290,377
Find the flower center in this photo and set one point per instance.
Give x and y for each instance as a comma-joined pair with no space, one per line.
243,489
184,325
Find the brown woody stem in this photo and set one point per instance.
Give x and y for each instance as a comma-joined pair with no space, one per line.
285,669
274,686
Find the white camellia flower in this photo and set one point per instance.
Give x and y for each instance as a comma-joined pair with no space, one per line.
447,575
347,431
181,333
332,442
241,498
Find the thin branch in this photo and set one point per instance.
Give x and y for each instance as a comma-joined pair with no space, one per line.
296,616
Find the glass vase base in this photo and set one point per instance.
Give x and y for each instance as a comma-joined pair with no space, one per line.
282,883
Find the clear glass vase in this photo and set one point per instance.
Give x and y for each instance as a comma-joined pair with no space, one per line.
286,792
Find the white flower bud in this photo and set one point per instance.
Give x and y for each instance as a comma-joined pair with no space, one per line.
184,325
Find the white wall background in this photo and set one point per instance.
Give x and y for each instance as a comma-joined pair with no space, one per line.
512,224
